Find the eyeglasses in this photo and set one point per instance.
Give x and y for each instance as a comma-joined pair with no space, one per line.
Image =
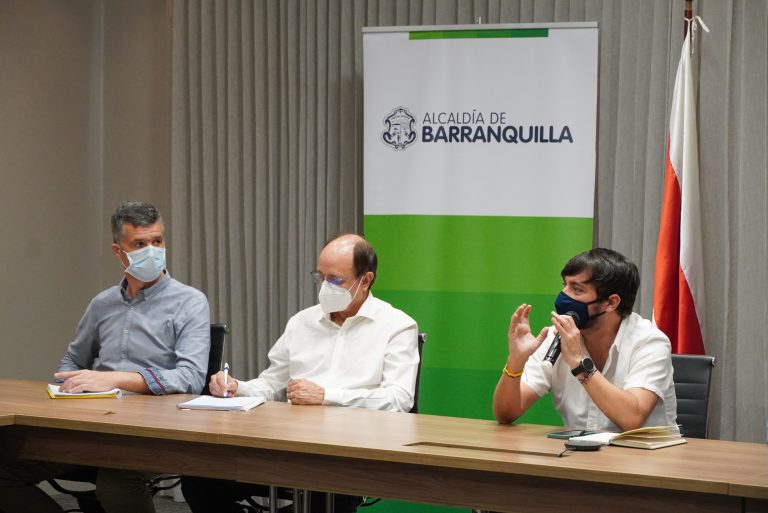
333,280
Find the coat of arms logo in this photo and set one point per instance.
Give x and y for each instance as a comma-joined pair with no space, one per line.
399,131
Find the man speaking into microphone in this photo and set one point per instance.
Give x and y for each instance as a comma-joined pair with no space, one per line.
613,370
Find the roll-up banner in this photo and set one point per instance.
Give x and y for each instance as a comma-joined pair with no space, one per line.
480,151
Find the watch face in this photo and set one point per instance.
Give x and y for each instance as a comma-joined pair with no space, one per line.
588,364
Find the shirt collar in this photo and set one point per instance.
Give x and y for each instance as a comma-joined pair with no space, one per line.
618,341
367,309
148,292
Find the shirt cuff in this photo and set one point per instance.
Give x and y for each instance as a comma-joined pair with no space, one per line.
239,390
333,396
155,381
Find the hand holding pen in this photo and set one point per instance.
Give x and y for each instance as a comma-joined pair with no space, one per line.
222,385
226,376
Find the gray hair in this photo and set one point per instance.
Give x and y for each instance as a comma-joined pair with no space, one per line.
135,213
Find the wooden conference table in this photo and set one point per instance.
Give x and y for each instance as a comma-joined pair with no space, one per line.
422,458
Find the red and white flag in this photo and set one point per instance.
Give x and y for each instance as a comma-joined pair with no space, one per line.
678,300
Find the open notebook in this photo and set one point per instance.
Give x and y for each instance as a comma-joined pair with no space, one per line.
651,437
209,402
55,393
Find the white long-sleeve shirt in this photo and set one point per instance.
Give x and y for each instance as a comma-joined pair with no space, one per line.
370,361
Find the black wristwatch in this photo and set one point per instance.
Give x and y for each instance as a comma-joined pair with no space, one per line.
586,366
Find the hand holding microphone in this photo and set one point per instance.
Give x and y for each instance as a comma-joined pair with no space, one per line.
554,349
579,311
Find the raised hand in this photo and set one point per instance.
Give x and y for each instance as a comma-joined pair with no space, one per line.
522,343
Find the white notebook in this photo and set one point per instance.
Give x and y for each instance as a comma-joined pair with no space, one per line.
209,402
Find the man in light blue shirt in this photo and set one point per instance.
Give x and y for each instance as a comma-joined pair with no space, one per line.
150,334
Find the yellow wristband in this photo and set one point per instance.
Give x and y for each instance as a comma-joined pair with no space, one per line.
512,374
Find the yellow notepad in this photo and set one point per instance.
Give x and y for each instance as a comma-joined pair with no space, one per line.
53,391
651,437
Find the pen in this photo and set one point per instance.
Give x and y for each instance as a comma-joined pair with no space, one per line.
226,375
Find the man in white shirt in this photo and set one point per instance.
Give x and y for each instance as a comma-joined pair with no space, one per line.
351,350
615,369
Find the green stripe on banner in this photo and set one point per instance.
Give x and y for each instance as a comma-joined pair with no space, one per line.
467,330
475,253
477,34
461,278
462,358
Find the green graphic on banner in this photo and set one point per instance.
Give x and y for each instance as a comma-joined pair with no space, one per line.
475,253
477,34
468,228
461,277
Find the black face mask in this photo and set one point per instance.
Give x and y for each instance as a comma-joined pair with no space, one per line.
566,305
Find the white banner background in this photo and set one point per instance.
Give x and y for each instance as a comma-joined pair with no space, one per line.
538,81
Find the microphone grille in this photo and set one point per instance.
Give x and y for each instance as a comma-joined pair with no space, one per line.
575,317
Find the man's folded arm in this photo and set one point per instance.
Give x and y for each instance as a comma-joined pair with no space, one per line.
193,345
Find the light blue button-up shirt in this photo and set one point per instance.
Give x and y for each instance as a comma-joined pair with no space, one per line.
163,334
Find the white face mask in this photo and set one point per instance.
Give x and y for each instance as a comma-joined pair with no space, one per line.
335,298
146,263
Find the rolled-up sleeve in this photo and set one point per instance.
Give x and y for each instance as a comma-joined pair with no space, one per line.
192,325
650,366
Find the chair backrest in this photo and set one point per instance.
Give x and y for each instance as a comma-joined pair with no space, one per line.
415,408
218,330
692,376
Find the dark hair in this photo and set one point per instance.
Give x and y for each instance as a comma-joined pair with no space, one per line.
135,213
365,259
610,272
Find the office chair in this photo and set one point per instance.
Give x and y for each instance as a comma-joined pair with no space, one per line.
692,376
422,338
303,496
215,357
216,354
86,499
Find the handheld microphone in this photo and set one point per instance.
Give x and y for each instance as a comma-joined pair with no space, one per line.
554,349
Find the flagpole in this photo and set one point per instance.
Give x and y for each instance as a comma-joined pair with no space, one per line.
688,15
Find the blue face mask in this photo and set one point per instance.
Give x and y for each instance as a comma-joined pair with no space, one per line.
146,263
566,305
